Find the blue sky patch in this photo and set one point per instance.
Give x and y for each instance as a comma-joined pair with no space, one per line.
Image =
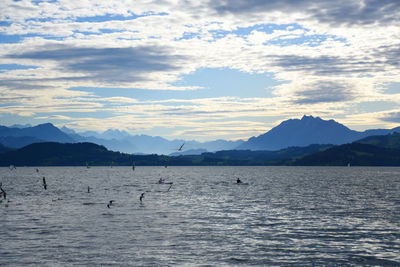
7,67
392,88
213,83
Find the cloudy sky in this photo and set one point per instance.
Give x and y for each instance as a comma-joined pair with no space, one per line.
200,70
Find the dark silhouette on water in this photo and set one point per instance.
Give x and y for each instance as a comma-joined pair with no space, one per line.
169,187
2,191
109,203
162,181
141,197
44,183
88,189
238,181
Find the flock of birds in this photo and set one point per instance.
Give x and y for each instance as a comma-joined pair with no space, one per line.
3,193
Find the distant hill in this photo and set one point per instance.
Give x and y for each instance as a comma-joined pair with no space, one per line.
391,141
247,157
355,154
51,153
77,154
308,130
188,152
4,148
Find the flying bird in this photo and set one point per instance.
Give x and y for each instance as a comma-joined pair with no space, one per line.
180,148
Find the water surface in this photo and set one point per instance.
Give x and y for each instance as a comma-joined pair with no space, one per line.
280,216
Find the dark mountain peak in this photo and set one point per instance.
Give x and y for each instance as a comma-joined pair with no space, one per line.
307,122
308,118
47,125
302,132
312,119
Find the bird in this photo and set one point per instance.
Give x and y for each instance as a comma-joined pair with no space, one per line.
44,183
3,192
141,197
180,148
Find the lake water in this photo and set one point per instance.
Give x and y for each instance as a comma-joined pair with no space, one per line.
280,216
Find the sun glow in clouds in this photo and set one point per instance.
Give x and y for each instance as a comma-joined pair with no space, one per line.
199,70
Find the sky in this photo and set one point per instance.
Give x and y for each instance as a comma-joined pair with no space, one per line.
199,70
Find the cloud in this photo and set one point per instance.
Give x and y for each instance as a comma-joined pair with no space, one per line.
109,65
391,117
23,84
390,54
334,13
325,92
322,65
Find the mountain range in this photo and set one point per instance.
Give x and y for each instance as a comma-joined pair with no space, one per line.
290,133
114,140
371,151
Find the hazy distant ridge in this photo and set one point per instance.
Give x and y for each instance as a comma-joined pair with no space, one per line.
114,140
